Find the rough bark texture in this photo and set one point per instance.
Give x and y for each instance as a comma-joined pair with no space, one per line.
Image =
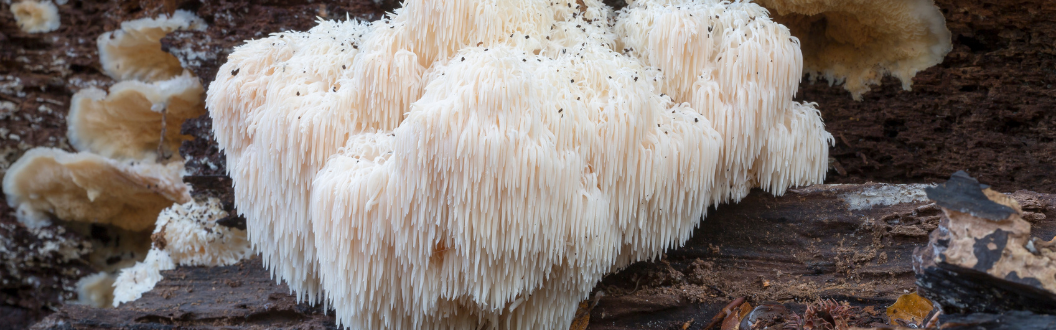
805,246
1018,320
986,109
983,258
39,270
844,242
241,296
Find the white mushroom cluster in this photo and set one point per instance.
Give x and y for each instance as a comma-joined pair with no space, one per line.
86,187
186,235
96,290
127,168
136,120
191,236
132,282
134,51
858,42
482,164
36,16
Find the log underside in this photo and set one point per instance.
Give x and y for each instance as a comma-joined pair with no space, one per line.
820,242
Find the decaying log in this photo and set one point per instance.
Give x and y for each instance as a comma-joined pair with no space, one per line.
982,258
846,242
240,296
38,262
1015,320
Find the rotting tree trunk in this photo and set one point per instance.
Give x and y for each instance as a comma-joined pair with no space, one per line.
983,258
844,242
987,108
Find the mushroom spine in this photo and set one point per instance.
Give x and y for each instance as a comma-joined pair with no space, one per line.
467,164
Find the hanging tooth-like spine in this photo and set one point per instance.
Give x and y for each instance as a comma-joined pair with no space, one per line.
532,207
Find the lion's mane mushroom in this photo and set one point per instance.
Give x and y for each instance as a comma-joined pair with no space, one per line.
86,187
186,235
191,236
36,16
739,69
477,164
122,178
134,52
313,104
136,120
857,42
133,281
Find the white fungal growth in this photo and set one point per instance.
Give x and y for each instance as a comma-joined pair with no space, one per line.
186,235
191,236
36,16
739,69
490,150
884,194
133,281
127,123
134,51
323,106
86,187
482,164
96,290
857,42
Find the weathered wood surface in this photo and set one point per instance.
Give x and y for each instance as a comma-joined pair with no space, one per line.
1017,320
242,296
983,258
844,242
986,108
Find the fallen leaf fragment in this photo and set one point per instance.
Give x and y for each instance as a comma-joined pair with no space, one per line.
721,315
733,319
582,316
909,310
582,319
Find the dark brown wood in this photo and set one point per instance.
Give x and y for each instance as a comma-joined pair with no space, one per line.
965,290
808,245
242,296
802,247
983,258
987,108
1017,320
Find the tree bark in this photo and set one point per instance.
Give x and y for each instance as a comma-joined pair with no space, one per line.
850,243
